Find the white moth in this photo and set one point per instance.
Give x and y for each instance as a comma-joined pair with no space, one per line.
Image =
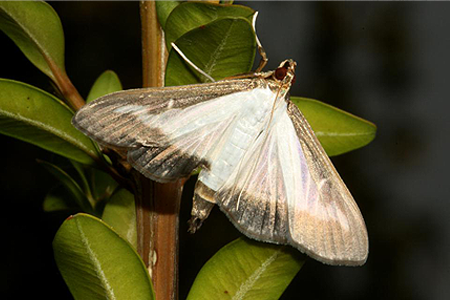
261,162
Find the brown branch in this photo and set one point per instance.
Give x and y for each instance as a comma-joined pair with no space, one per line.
157,205
154,54
66,87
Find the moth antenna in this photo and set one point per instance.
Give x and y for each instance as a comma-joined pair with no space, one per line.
262,52
191,63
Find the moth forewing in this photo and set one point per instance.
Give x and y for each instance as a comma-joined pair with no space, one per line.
116,119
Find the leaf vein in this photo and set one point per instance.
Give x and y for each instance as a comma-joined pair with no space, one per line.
248,284
97,265
42,126
209,68
322,133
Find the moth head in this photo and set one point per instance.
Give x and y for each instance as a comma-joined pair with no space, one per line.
285,73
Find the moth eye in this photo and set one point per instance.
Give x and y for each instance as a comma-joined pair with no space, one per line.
280,73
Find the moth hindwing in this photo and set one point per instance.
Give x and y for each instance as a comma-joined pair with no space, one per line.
261,162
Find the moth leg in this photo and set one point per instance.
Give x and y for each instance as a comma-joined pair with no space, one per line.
202,204
200,211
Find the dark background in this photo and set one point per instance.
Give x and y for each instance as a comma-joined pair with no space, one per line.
386,62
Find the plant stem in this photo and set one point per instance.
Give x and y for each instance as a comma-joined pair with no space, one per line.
157,205
154,53
66,87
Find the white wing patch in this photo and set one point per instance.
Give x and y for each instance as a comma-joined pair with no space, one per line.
240,136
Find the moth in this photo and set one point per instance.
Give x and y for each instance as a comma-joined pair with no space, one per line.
260,160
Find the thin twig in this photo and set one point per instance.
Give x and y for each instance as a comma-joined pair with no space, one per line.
66,87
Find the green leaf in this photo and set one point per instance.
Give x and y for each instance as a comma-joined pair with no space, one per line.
70,184
246,269
193,15
163,9
338,131
107,82
96,263
221,48
34,116
103,185
80,169
120,214
36,29
59,199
